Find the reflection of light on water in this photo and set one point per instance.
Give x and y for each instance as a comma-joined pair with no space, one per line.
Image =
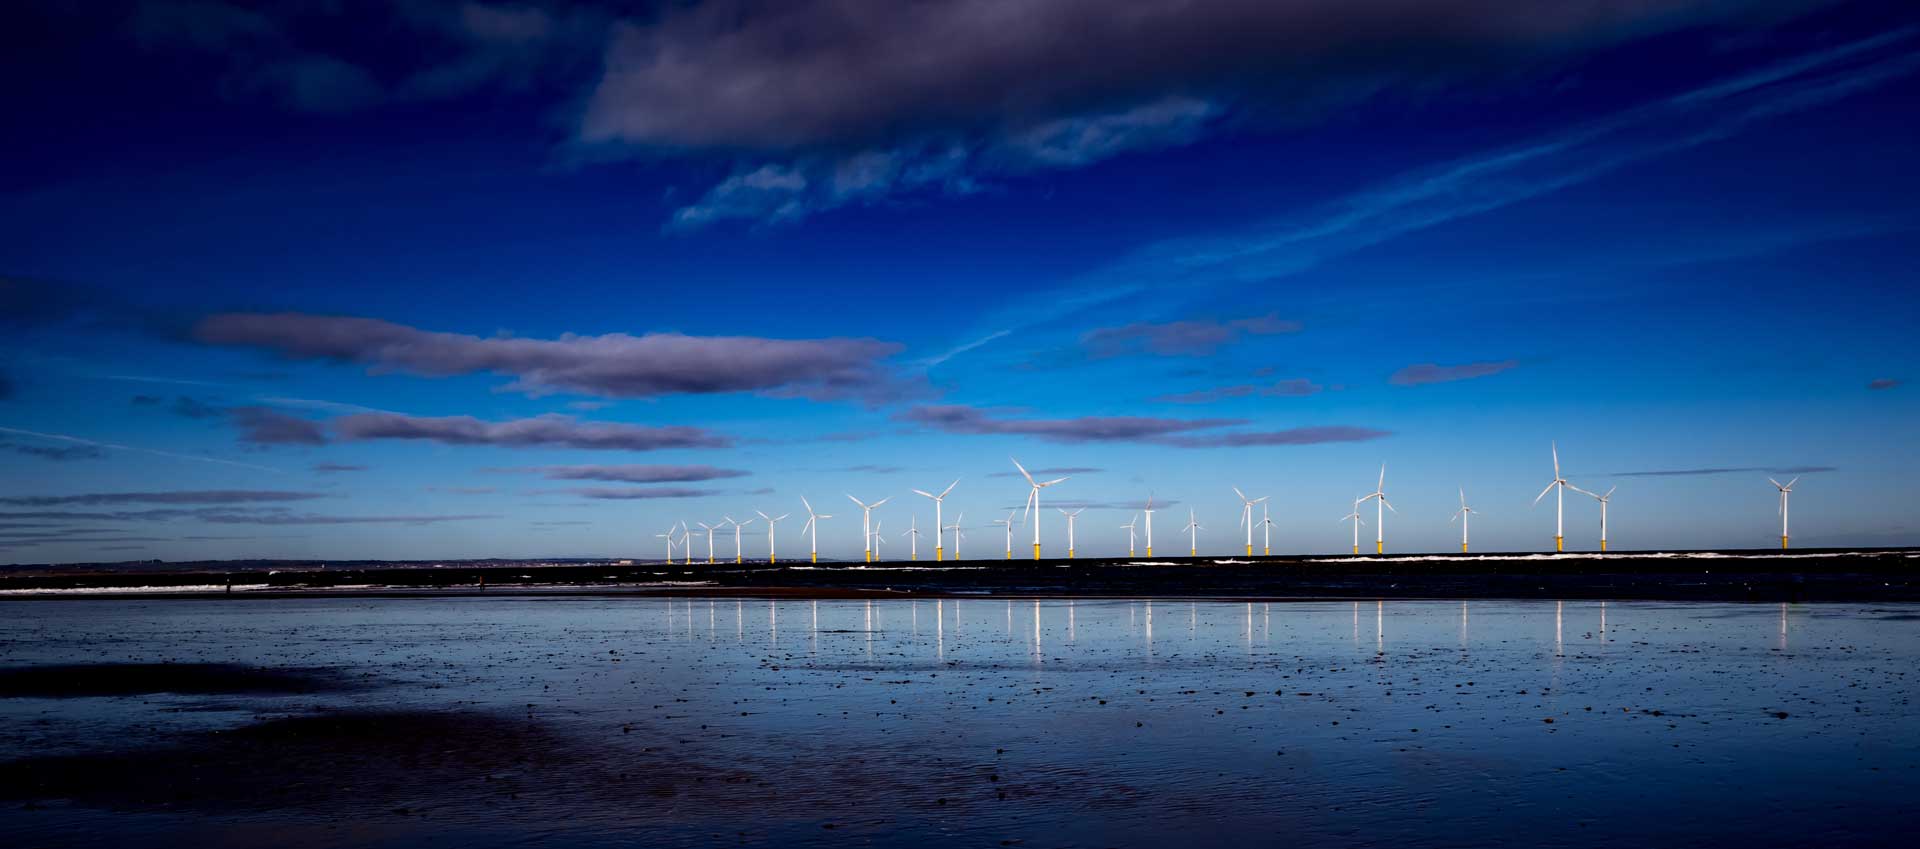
1559,617
813,635
1249,628
1783,626
1069,620
1380,626
711,617
739,621
1463,624
1036,630
940,629
773,623
1149,630
869,627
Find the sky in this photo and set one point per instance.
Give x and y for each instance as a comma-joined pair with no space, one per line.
330,279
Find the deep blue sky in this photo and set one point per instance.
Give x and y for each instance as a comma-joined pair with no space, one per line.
419,280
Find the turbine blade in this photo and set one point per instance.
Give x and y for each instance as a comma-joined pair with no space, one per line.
1383,500
1236,491
943,493
1023,470
1796,479
923,492
1052,482
1543,493
1775,483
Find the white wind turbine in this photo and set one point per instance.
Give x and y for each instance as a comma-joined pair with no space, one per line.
686,539
1604,500
1193,531
877,538
866,521
1149,524
1462,516
913,536
1070,517
1033,503
668,536
1559,502
737,527
1128,527
1008,521
1357,522
812,529
957,535
939,551
1266,531
709,529
1784,490
1380,521
772,557
1246,515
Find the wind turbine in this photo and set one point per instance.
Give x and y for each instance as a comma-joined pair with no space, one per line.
1783,507
1008,521
1246,515
1070,517
957,535
1462,515
1357,522
1193,531
1149,523
866,521
939,551
1033,503
1266,531
771,558
877,538
709,529
812,528
1380,521
668,536
737,526
686,538
913,536
1559,502
1129,529
1603,499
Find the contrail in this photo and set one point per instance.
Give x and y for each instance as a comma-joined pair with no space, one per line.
61,437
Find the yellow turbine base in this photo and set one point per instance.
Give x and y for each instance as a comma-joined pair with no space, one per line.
1783,542
1603,545
1463,548
1036,551
939,554
1356,550
1069,554
1559,544
814,557
736,558
1266,552
1149,551
914,557
1009,554
1379,547
771,560
1249,551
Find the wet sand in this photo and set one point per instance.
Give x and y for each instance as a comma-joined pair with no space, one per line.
584,721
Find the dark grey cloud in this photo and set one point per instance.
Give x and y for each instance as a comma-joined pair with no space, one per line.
551,430
335,468
613,365
183,406
54,452
232,516
198,496
1291,436
640,493
1193,338
830,102
267,426
630,473
875,469
1877,383
1425,373
953,418
1051,470
1726,470
1294,388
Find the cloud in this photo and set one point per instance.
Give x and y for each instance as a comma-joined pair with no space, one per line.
1052,470
633,473
1180,338
333,468
267,426
1780,470
551,430
75,442
1291,436
640,493
871,468
953,418
201,496
1294,388
1425,373
54,452
1877,383
612,365
235,516
182,406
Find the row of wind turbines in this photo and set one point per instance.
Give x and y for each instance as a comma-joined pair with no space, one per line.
681,536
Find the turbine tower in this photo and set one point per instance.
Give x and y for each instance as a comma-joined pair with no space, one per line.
1559,502
1070,517
1357,522
1149,524
1008,521
737,527
1380,521
939,551
913,538
1266,531
1193,531
1462,515
812,528
1784,490
1246,515
866,521
877,538
668,536
957,536
709,529
1604,500
1128,527
1033,503
771,557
